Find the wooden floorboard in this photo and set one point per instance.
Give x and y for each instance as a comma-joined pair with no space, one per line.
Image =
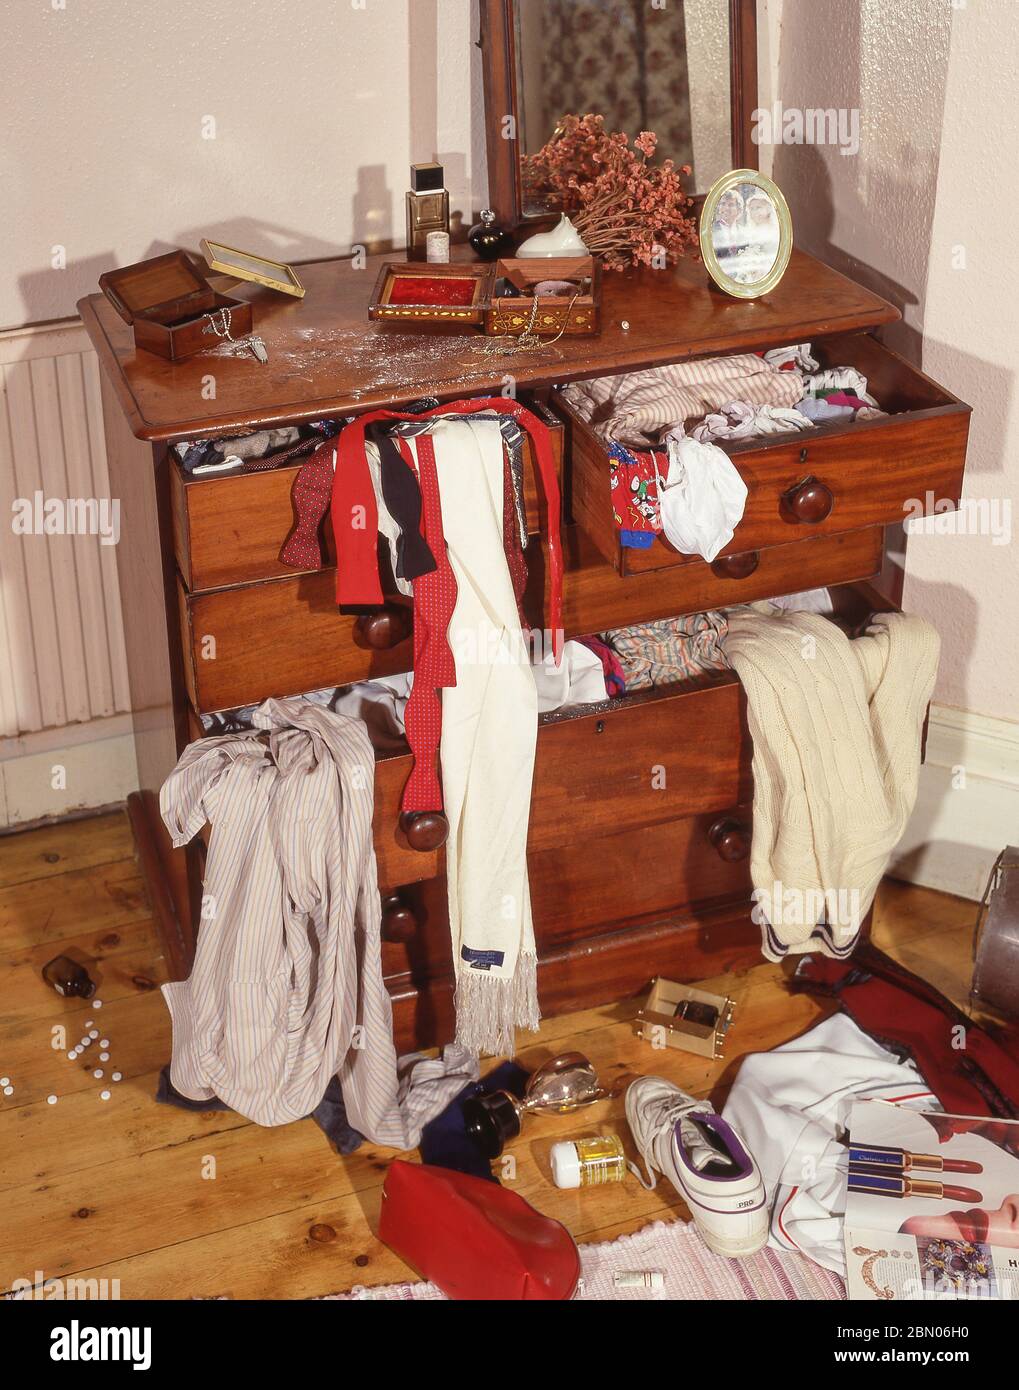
122,1188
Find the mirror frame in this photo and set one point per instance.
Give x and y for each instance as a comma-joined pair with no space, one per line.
498,57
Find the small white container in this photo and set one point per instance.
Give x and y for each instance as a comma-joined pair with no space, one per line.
437,248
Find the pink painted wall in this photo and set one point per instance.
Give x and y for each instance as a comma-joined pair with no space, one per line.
923,214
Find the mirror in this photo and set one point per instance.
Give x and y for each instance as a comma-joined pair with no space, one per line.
642,67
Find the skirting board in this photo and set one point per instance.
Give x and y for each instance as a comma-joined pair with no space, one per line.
967,807
59,771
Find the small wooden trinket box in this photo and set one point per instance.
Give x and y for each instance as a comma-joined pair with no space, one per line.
168,302
497,298
685,1017
567,312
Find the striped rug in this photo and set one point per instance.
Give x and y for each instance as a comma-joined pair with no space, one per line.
691,1272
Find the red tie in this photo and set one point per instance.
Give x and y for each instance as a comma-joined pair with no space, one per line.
434,669
311,494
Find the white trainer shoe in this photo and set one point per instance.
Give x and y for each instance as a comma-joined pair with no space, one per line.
704,1159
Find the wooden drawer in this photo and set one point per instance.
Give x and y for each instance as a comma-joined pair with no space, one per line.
284,636
605,769
280,637
872,469
229,530
586,890
595,599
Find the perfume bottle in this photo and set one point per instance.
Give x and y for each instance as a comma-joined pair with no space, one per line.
427,207
68,978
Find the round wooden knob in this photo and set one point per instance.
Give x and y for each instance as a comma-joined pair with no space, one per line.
425,830
731,839
736,566
384,629
810,501
399,920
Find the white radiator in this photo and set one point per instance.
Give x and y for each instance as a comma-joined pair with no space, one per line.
61,642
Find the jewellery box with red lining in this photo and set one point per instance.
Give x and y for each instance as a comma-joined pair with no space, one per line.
168,302
409,294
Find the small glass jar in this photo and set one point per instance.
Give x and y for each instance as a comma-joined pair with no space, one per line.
588,1162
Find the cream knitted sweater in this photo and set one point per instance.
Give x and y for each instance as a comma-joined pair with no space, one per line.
836,725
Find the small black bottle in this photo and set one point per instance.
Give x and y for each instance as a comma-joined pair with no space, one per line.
68,978
488,240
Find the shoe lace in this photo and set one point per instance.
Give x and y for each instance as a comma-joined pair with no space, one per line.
665,1112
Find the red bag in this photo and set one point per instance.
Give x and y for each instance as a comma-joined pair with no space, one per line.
475,1239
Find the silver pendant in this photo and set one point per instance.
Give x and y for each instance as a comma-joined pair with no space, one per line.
257,346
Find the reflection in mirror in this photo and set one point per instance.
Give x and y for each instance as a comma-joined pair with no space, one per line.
641,67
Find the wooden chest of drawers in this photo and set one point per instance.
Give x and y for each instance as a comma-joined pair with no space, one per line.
641,807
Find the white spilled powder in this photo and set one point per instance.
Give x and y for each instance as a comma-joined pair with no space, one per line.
382,358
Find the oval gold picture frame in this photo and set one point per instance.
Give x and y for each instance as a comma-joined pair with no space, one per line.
729,183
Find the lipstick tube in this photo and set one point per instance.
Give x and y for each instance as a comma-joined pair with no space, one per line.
877,1156
898,1185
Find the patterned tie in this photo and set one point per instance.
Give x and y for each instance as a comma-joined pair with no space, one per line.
435,596
312,493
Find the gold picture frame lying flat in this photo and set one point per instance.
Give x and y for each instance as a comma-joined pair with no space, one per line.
746,233
244,265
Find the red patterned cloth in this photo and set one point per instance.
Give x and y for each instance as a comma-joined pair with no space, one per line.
312,493
434,669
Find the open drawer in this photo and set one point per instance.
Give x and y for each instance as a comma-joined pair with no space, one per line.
833,478
229,529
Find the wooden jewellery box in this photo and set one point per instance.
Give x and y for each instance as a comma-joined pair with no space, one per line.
413,294
168,303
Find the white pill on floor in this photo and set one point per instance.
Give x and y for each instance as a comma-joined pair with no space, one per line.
117,1075
8,1090
51,1100
78,1050
97,1003
98,1073
72,1054
104,1056
93,1033
104,1095
5,1080
104,1042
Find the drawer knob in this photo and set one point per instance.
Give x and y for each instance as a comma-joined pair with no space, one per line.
425,830
731,839
736,566
810,501
384,629
399,920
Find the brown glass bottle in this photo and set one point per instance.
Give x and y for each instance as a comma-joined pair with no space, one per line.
68,977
